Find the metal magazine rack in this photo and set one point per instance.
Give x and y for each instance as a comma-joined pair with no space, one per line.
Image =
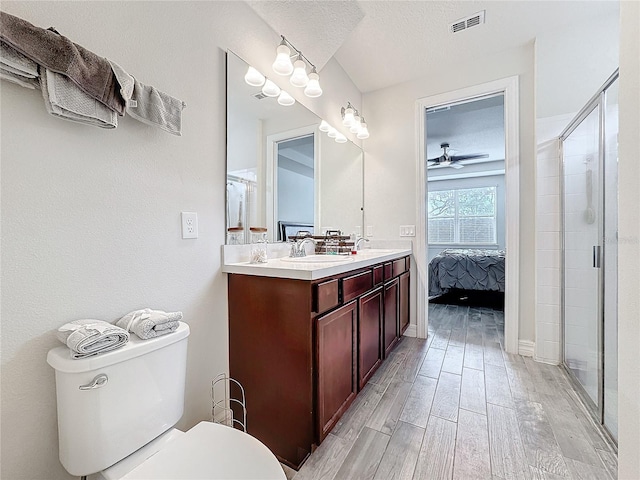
225,407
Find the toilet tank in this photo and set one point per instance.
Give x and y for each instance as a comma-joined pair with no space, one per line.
142,397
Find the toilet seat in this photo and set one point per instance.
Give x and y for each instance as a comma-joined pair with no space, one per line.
211,451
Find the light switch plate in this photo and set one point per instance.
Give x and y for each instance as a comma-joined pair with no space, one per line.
189,224
407,230
369,230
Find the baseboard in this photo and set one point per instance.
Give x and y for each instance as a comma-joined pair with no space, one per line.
526,348
411,331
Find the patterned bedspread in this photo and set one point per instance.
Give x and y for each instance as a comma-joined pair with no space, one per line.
467,270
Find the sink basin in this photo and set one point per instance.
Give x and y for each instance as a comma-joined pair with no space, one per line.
319,259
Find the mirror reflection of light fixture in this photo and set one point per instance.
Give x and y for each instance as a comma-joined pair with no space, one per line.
324,126
298,70
351,118
332,133
282,65
285,99
254,78
340,138
270,89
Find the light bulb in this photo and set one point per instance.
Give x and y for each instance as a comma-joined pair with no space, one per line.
282,65
270,89
364,131
299,77
313,87
357,124
348,119
254,78
324,126
340,138
332,133
285,99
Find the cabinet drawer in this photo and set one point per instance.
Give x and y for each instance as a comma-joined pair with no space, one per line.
399,266
378,275
326,296
356,285
388,271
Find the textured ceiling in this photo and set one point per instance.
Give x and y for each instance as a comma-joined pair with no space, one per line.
317,28
398,41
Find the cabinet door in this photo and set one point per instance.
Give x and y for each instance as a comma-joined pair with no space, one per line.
369,333
336,350
391,331
404,302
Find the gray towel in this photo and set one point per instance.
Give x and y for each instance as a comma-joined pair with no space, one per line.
17,63
89,337
147,104
18,79
147,323
57,53
156,108
63,99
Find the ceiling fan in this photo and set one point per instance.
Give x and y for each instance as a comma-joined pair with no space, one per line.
447,160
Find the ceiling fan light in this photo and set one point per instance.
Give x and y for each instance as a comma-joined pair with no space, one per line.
340,138
254,78
313,89
299,78
282,64
324,126
285,99
270,89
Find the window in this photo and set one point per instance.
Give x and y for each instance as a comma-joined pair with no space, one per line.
465,216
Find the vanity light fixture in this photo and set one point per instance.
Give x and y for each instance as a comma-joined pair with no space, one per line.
351,118
254,78
340,138
298,70
332,133
270,89
285,99
324,126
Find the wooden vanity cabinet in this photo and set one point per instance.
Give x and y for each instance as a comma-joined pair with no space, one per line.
302,349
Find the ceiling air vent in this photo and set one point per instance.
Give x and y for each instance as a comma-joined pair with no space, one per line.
467,22
259,96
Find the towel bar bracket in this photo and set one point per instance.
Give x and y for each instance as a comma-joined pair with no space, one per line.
98,381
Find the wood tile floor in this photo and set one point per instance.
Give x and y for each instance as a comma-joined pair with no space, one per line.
456,406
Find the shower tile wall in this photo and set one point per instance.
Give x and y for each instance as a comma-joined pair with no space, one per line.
548,227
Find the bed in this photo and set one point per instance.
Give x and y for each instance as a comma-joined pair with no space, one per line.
466,269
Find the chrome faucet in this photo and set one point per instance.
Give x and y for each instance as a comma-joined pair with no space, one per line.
297,248
361,239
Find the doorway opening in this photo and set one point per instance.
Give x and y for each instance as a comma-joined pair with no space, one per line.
469,199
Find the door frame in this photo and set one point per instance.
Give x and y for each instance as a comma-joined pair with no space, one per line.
509,87
271,174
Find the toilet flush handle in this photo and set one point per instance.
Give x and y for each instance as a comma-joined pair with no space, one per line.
98,381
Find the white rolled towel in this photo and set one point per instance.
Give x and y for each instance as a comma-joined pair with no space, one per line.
147,323
91,337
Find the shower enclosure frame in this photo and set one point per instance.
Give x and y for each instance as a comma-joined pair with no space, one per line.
598,101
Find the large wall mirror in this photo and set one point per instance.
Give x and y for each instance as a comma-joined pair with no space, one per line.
283,174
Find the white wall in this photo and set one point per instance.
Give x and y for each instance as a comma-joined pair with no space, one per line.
629,244
91,218
391,155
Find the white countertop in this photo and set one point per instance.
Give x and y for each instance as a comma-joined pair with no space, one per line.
283,268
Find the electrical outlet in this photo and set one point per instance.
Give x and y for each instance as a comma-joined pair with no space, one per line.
189,224
369,230
358,231
407,230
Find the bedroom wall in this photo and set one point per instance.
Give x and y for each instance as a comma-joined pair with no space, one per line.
391,155
91,218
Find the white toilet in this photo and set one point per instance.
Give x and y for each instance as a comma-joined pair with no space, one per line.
116,414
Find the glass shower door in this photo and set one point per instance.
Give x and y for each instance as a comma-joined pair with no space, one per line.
582,254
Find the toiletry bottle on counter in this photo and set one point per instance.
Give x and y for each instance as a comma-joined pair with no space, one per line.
258,245
354,240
